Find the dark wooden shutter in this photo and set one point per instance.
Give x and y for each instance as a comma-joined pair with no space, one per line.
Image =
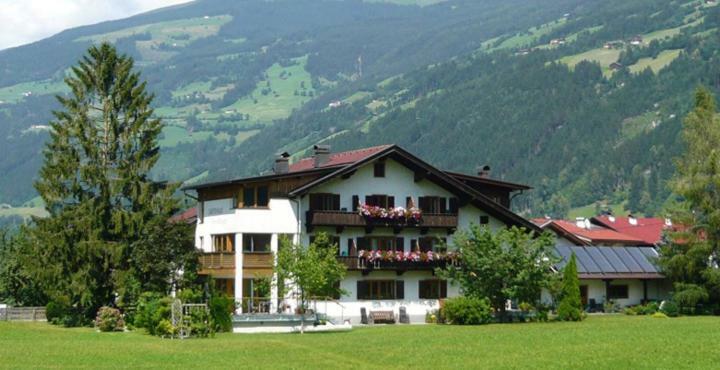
370,200
314,202
355,203
399,289
423,204
454,208
413,245
336,202
391,202
362,243
352,249
407,202
400,244
443,289
362,289
442,207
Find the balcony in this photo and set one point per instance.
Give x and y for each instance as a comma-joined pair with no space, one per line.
353,219
257,260
366,266
217,262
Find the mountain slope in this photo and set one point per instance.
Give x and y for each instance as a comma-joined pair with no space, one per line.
530,87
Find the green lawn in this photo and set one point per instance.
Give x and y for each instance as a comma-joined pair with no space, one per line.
663,59
610,342
601,55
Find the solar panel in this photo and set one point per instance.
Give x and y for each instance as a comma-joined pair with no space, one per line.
641,259
627,259
564,253
586,260
600,259
612,257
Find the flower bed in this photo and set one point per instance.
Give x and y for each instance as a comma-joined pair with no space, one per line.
396,214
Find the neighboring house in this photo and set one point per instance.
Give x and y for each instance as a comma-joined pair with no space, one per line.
241,221
649,230
584,232
626,275
636,40
615,66
612,263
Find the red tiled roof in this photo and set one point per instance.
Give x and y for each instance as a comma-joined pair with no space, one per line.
337,159
189,216
649,230
597,233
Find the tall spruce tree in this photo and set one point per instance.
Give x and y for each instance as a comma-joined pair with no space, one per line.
692,256
95,182
570,308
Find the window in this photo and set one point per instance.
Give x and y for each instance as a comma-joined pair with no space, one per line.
226,286
324,202
432,289
431,243
255,196
617,292
380,200
379,169
433,204
484,220
256,243
382,243
380,289
224,243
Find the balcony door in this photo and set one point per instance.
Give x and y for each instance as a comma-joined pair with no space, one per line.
381,243
224,243
324,202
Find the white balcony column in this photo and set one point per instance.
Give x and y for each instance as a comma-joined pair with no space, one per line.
238,273
273,285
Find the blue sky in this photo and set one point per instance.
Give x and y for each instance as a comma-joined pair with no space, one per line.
25,21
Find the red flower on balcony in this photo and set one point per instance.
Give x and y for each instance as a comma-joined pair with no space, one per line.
397,214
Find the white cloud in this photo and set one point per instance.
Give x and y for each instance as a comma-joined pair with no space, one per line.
25,21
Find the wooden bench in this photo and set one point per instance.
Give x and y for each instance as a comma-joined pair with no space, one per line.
382,316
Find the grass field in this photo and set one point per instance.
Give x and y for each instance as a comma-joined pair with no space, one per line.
663,59
589,210
165,35
282,82
609,342
601,55
15,93
24,212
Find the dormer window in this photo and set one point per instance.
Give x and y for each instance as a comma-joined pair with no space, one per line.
379,169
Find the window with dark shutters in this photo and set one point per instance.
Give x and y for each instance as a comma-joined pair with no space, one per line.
355,203
362,290
352,249
433,204
432,289
399,289
399,244
324,202
390,202
454,206
379,200
362,243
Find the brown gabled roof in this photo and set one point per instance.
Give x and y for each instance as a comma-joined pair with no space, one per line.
583,236
426,170
488,181
337,159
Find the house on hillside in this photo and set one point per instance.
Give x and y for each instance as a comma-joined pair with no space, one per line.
615,66
240,223
636,40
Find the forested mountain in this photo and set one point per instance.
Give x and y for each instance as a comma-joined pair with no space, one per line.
580,99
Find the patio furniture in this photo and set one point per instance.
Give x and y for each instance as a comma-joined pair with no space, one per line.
382,316
404,318
363,316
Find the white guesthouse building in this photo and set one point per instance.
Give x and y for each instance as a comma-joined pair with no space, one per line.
240,222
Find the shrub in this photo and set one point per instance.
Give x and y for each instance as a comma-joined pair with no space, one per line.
200,324
659,315
221,308
632,311
151,309
570,308
467,311
163,328
109,319
669,308
55,311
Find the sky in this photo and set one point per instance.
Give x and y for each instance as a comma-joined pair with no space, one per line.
25,21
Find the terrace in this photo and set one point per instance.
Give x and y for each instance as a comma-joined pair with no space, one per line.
341,219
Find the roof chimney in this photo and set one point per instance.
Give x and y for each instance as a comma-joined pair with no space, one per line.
321,154
282,163
632,220
580,222
483,171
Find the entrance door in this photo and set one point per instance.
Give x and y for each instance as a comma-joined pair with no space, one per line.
584,295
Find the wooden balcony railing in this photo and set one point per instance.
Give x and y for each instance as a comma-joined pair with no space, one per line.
257,260
340,218
217,261
361,264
